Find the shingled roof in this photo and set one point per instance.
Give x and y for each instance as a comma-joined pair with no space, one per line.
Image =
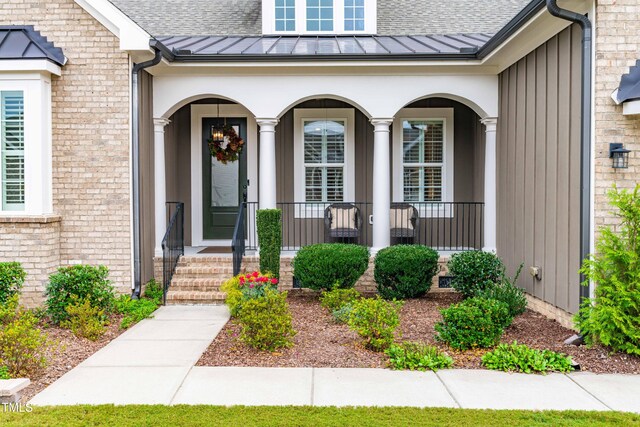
244,17
24,42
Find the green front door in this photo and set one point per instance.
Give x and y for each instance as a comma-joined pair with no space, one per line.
223,185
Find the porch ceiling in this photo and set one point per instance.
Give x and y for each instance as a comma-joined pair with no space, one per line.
438,46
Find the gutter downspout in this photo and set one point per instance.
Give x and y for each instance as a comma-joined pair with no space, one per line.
135,159
585,158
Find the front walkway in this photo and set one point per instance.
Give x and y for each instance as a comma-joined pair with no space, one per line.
153,363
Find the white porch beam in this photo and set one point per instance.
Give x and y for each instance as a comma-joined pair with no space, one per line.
490,185
381,184
160,183
267,162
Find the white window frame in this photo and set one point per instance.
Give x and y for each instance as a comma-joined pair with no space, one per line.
269,19
300,115
36,89
446,115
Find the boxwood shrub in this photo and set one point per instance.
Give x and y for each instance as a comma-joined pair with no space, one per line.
82,282
474,271
325,265
12,277
405,271
269,226
473,323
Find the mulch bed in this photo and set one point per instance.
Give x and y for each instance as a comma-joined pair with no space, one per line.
321,342
68,352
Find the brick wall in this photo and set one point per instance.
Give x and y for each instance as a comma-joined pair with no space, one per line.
35,242
90,139
617,48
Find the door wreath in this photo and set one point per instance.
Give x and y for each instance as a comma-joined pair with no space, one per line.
227,149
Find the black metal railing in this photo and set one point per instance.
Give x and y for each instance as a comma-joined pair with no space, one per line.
238,241
444,226
172,244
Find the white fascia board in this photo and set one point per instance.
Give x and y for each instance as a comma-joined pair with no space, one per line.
132,36
631,108
29,65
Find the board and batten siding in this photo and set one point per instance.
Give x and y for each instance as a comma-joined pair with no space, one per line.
539,169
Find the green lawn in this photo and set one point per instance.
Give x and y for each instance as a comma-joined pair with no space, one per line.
174,416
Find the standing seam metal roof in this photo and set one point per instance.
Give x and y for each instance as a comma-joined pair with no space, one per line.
24,42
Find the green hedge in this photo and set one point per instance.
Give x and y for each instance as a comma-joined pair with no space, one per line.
82,281
474,271
269,222
328,265
12,277
405,271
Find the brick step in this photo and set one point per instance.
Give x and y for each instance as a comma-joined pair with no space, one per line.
211,260
190,287
194,297
208,281
193,271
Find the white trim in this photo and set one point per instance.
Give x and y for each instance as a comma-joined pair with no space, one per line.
198,112
131,35
299,116
444,114
631,108
21,65
36,88
269,19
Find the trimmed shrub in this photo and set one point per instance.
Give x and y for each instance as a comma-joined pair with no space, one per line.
269,224
475,322
83,282
266,321
153,291
233,294
405,271
417,357
23,347
84,320
342,314
520,358
375,320
336,298
474,271
508,293
12,277
612,317
134,310
326,265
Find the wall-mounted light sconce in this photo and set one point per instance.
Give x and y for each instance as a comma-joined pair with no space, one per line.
619,156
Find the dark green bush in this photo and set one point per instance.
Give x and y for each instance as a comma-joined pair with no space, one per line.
84,320
336,298
269,223
375,320
475,322
417,357
12,277
474,271
324,265
405,271
23,346
613,316
520,358
83,282
266,321
507,292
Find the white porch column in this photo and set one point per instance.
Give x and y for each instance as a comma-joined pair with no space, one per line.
267,162
490,185
159,183
381,184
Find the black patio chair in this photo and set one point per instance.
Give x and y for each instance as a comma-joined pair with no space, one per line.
404,221
342,222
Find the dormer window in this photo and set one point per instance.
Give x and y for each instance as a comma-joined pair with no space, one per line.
294,17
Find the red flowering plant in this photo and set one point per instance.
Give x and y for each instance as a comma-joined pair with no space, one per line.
254,285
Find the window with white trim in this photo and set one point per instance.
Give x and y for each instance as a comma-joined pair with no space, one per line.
324,155
423,155
12,150
319,17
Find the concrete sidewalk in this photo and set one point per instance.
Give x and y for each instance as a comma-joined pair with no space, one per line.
153,363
